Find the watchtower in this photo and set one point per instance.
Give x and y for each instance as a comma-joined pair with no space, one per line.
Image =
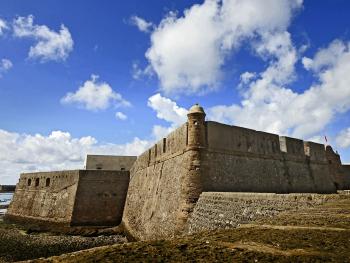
196,126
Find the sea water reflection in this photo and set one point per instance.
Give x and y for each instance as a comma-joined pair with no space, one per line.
5,199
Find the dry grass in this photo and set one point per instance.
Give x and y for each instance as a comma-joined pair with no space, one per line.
319,234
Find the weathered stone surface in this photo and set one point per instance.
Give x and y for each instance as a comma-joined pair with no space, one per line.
77,197
109,162
337,170
244,160
346,169
219,210
166,180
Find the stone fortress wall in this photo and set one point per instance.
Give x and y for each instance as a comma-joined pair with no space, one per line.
109,162
204,156
346,170
160,189
197,171
340,173
244,160
66,198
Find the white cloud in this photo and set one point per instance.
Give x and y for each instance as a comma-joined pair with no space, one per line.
269,105
343,138
57,151
169,111
3,26
187,52
94,95
138,73
141,24
120,116
325,58
50,45
5,65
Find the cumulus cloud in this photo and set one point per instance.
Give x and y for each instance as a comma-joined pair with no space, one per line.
326,58
271,106
169,111
5,65
187,52
343,138
120,116
50,45
3,26
95,95
141,24
57,151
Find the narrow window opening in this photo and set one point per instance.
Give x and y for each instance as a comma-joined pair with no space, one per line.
164,145
37,182
122,169
47,182
29,182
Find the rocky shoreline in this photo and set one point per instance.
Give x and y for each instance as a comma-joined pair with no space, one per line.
18,244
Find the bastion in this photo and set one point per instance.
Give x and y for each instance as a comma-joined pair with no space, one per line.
91,197
203,156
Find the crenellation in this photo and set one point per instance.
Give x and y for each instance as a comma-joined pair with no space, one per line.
292,146
315,151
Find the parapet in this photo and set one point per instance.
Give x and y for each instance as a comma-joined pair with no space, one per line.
292,146
109,162
315,151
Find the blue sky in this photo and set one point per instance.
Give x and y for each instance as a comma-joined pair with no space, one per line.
112,77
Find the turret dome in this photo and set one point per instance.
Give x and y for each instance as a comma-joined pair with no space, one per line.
196,109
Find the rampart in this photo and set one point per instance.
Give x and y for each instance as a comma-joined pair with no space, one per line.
167,180
66,198
109,162
338,171
162,190
243,160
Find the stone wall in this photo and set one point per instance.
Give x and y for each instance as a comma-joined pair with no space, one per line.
336,169
100,197
78,197
346,169
220,210
244,160
45,196
161,190
109,162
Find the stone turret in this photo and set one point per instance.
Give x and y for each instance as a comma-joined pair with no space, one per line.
196,126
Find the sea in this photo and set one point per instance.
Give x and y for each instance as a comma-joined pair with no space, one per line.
5,199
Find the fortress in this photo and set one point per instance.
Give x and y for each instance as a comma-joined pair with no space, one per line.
203,175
